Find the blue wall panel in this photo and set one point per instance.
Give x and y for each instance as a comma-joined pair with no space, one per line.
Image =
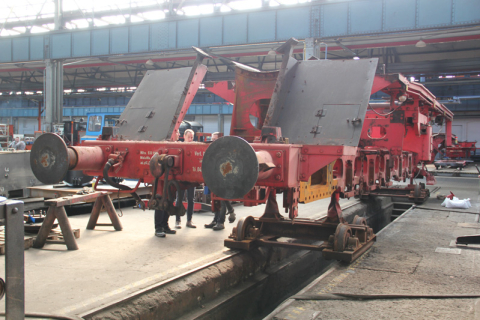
261,26
211,31
334,19
225,109
215,109
187,33
399,15
5,50
366,16
172,35
291,23
100,42
15,110
434,13
81,44
139,36
60,45
20,49
36,48
235,29
159,36
119,40
466,11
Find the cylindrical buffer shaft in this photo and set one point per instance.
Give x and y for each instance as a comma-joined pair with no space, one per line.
50,158
86,158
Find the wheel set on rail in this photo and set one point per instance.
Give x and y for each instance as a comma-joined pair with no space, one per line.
346,243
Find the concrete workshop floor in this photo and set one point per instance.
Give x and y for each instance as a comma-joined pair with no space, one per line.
113,264
414,255
110,265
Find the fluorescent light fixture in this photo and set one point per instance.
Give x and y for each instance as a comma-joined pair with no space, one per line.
272,53
245,4
153,15
149,62
37,29
225,8
356,58
420,44
81,23
135,18
198,10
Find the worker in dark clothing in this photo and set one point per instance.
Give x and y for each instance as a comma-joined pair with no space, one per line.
188,136
219,219
440,155
161,224
17,144
161,216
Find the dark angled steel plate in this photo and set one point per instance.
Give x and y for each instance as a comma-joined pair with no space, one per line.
154,108
326,102
230,167
49,158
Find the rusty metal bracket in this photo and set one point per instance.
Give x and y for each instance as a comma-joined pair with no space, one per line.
316,130
321,113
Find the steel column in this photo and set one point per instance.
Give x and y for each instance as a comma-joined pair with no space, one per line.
12,212
53,93
58,15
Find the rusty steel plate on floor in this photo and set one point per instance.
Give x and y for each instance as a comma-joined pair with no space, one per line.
230,167
49,158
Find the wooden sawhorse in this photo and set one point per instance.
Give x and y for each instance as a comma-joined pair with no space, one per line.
56,210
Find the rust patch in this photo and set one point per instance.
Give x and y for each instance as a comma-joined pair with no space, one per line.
44,160
226,168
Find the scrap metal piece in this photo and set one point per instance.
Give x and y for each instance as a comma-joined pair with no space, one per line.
49,158
340,89
230,167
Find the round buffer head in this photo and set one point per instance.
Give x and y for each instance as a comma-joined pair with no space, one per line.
230,167
49,158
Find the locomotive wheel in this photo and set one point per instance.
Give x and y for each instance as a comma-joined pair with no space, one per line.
359,221
342,234
417,191
244,224
49,158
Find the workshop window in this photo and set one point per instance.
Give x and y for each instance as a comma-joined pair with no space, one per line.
94,123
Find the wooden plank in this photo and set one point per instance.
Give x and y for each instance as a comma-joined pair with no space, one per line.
49,192
69,200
